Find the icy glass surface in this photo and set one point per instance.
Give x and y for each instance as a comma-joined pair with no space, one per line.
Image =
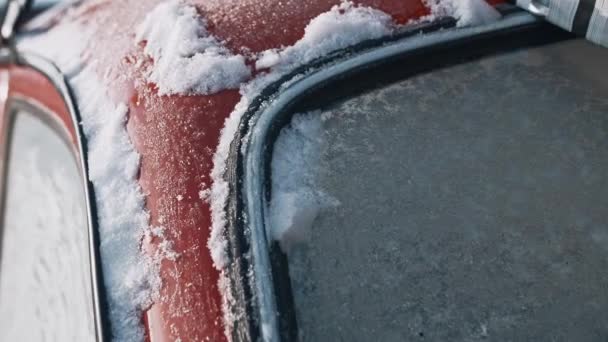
45,284
471,205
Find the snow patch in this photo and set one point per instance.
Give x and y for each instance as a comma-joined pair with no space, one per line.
466,12
344,25
187,59
165,249
131,277
296,200
204,194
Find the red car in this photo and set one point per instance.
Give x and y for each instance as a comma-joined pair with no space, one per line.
315,170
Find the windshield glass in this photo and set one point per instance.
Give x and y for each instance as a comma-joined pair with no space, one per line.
463,204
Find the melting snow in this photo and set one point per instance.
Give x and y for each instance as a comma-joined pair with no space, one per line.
187,59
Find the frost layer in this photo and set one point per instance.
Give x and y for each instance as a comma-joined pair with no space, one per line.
131,278
187,59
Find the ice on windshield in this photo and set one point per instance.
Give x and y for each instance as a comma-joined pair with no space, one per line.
468,203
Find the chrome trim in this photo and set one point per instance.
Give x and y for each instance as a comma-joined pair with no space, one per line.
14,11
55,76
254,146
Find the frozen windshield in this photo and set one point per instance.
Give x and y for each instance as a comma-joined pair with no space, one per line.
45,276
463,204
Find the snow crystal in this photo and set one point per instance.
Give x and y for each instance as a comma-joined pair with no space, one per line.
466,12
165,250
344,25
131,277
187,59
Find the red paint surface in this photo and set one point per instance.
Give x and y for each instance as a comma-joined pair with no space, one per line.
176,137
29,84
